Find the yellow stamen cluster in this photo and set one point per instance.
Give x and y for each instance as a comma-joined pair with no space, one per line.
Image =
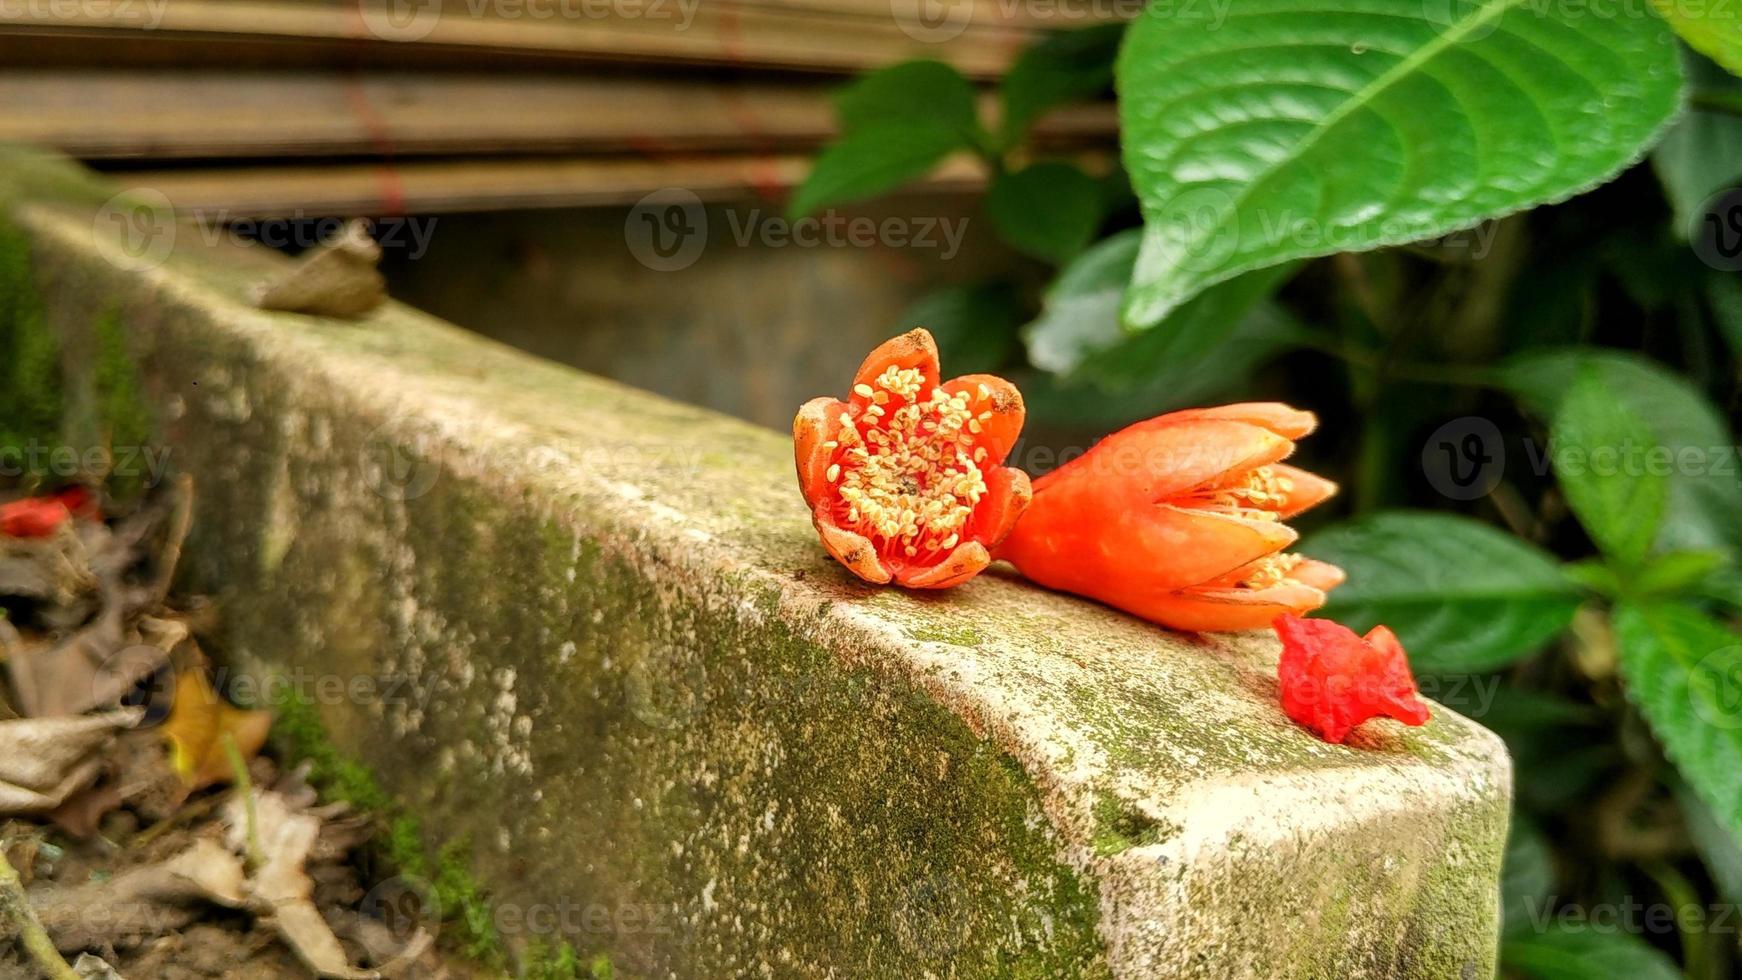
1269,571
910,473
1256,495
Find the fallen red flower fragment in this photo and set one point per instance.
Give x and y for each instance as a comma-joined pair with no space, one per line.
1333,680
905,479
41,517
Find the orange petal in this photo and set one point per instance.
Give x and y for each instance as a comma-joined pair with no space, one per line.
1284,420
817,422
1309,489
1007,495
1321,575
962,564
1177,547
1150,461
1207,610
913,349
997,434
850,548
1139,550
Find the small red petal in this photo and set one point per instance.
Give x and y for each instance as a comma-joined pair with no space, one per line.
37,517
1333,680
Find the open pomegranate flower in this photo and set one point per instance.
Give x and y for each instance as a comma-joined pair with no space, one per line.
905,479
1333,680
1179,520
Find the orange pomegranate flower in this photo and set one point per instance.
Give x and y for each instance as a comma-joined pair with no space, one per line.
1333,680
905,479
1179,520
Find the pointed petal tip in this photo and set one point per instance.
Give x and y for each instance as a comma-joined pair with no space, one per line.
967,560
851,549
913,349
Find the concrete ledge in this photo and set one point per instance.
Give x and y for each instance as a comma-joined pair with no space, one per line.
606,648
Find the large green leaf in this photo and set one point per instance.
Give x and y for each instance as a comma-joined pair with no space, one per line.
1299,128
1684,671
1047,210
1704,507
1711,27
871,160
1586,952
1461,595
1602,460
1702,153
1067,66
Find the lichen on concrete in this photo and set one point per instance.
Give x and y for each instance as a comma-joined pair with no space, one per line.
606,648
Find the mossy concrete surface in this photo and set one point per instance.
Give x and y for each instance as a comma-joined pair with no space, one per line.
590,631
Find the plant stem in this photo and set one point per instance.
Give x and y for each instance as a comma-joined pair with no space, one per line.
1712,101
1698,957
15,907
245,786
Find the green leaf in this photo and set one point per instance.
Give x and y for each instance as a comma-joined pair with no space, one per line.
975,326
1599,457
1461,595
1586,951
1047,210
1526,877
871,161
1305,127
1711,27
1168,368
1081,312
1704,507
1683,670
925,93
1702,153
1725,586
1719,850
1594,574
1078,328
1678,571
1069,66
